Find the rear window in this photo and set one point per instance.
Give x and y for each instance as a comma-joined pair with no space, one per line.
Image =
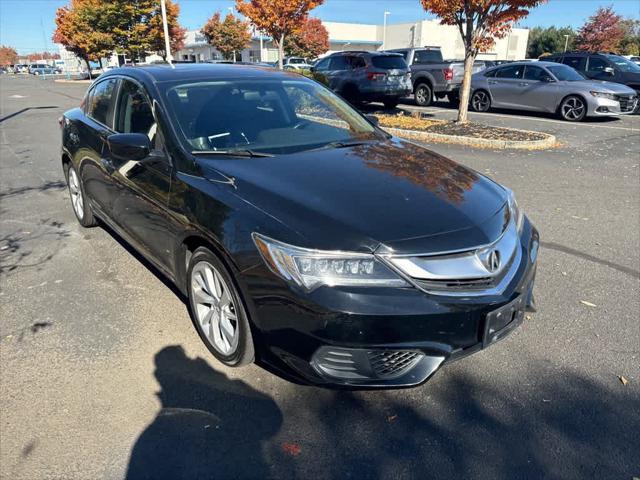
389,62
427,56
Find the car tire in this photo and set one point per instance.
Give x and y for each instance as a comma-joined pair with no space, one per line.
573,109
217,310
423,94
391,104
78,198
480,101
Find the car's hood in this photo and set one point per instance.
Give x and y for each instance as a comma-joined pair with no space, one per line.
392,192
603,86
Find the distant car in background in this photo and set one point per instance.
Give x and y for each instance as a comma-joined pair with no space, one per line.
635,59
21,68
549,87
296,63
361,76
41,69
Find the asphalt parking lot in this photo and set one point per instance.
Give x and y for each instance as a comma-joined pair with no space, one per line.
103,376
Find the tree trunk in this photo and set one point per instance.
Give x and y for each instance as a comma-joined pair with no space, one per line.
465,88
281,52
86,60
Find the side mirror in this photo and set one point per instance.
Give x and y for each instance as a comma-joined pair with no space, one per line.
548,79
129,146
373,119
609,70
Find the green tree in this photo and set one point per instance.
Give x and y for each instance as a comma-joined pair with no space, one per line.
229,36
630,44
549,40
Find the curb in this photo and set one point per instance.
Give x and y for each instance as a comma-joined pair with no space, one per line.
547,142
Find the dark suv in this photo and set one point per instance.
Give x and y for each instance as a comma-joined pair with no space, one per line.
366,76
601,66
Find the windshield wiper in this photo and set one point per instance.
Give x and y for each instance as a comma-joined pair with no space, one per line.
343,144
232,153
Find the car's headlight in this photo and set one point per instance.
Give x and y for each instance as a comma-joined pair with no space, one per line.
608,96
311,269
516,213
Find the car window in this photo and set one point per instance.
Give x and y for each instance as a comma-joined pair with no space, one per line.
596,64
356,62
388,62
134,113
565,73
623,64
534,73
404,53
322,64
427,56
512,71
490,73
100,105
575,62
339,62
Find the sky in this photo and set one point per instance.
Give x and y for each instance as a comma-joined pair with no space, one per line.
27,25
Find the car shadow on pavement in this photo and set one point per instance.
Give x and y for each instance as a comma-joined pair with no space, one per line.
209,426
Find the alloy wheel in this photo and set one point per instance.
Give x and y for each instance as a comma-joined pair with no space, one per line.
215,309
573,109
480,101
76,193
423,95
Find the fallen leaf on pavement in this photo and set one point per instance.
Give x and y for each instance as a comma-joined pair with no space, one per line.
291,449
588,304
623,380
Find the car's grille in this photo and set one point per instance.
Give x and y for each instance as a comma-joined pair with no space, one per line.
627,102
389,363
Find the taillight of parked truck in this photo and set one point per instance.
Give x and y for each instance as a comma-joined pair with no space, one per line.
448,74
376,76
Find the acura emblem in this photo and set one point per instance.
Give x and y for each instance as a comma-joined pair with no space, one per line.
493,262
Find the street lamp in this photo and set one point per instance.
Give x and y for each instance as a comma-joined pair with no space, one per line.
384,29
566,42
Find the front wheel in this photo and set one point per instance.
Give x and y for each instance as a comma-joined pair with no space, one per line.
480,101
573,109
423,95
217,310
78,198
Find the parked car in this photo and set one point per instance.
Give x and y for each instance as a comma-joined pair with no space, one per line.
635,59
549,87
21,68
301,234
366,76
431,75
296,63
41,69
601,66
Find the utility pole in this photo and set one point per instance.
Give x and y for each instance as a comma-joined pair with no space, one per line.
165,26
384,29
566,42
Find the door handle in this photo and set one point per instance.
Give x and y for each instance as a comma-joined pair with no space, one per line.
492,82
108,165
524,84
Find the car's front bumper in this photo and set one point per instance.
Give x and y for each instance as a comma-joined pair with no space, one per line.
301,335
599,107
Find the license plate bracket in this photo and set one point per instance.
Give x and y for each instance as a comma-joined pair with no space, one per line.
502,321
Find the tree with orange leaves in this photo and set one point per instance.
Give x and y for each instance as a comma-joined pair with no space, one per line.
229,36
177,33
277,18
602,33
479,22
311,41
8,55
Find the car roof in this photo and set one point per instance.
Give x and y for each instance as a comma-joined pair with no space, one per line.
197,71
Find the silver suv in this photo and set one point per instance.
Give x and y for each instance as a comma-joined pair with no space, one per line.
366,76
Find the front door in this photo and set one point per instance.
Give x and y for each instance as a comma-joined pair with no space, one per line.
537,93
141,207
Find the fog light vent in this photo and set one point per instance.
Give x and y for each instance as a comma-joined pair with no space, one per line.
389,363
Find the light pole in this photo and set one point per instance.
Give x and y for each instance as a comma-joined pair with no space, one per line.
384,29
165,27
566,42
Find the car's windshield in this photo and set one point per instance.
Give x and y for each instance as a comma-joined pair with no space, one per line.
269,116
565,73
623,64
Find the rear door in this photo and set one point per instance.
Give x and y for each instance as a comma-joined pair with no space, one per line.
506,86
94,167
575,61
144,186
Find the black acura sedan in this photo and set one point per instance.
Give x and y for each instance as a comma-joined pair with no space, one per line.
303,236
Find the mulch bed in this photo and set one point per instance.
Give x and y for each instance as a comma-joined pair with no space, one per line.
470,129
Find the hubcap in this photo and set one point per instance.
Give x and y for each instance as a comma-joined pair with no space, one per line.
572,108
214,308
480,101
422,94
76,193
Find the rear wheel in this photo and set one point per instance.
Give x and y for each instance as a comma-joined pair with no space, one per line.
573,109
78,198
217,310
480,101
423,94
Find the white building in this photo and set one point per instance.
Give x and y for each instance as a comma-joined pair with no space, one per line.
358,36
